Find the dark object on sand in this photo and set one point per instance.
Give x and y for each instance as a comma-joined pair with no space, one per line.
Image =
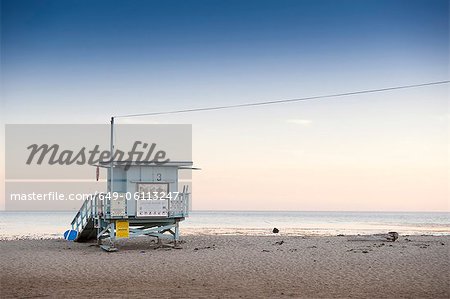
275,230
393,236
389,237
279,242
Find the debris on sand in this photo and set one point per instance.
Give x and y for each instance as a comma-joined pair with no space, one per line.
275,230
393,236
389,237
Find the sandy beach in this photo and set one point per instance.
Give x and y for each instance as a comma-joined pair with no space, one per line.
230,267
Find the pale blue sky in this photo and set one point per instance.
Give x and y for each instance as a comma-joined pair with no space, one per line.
83,61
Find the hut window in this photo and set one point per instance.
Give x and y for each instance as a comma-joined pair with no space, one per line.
153,190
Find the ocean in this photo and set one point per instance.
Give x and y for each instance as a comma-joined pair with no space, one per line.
53,224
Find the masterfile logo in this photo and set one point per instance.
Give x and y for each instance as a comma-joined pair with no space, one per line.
53,155
67,159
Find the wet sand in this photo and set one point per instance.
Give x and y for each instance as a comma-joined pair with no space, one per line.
230,267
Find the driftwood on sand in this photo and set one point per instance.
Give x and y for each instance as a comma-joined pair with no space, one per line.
389,237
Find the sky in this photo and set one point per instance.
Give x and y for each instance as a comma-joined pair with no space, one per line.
84,61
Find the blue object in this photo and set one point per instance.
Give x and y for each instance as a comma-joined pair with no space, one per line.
70,234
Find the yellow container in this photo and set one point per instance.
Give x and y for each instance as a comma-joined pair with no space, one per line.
122,229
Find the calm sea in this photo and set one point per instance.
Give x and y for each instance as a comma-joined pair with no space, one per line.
53,224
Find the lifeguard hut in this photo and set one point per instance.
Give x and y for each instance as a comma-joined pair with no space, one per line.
145,200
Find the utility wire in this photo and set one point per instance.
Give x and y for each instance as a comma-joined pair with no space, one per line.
283,101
